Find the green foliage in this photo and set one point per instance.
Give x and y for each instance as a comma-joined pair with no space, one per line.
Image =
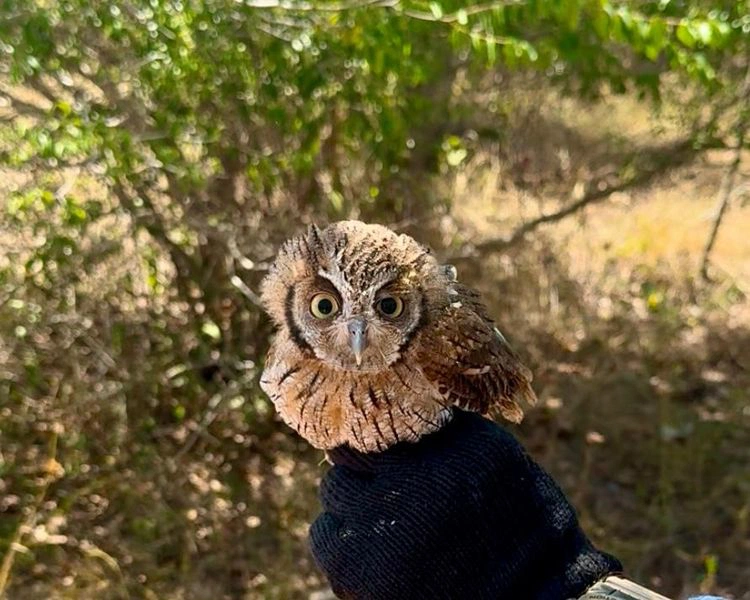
191,88
190,99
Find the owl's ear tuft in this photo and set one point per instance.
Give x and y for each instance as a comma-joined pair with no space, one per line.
313,235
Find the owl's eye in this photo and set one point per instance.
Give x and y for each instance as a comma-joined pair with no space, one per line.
390,306
324,305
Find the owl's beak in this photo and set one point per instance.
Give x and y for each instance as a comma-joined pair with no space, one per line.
358,338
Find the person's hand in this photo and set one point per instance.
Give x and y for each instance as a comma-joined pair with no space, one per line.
463,513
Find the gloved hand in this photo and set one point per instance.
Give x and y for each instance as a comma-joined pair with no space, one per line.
463,513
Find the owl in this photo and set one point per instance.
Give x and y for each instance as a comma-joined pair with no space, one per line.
376,341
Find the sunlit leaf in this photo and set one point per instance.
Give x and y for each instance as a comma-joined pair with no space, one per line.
211,329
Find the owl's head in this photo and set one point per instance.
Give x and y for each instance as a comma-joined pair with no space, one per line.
353,294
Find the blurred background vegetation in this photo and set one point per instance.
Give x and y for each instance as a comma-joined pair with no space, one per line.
582,162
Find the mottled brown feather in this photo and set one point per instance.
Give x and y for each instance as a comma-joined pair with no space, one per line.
470,361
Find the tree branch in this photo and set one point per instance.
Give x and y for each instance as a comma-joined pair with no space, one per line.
51,470
21,107
724,195
310,7
150,221
726,189
660,160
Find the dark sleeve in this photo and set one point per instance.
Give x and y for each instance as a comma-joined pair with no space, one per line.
463,513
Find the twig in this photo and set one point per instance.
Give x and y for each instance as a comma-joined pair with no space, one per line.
68,184
246,291
311,7
213,410
52,471
20,107
457,16
275,34
677,153
741,192
724,196
726,189
245,262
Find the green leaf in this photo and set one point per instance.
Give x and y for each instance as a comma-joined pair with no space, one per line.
722,31
212,330
436,10
456,157
711,563
336,200
652,52
74,214
601,23
453,141
704,32
476,40
658,33
462,17
47,197
491,52
527,51
572,14
685,35
64,107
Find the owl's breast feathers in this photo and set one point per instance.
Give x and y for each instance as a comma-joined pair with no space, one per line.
457,357
369,411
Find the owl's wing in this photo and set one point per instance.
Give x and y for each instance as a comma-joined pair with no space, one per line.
470,362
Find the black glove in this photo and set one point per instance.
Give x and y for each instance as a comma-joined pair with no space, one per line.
463,513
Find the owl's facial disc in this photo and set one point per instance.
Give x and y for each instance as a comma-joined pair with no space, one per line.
378,327
355,331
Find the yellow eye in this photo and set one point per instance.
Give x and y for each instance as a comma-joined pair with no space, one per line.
324,305
390,306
